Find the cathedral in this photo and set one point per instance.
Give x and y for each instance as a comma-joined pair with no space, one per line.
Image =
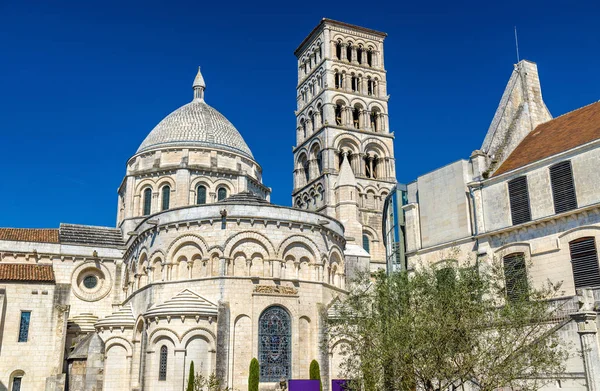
201,267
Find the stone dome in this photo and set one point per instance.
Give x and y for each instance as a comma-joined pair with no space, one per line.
196,124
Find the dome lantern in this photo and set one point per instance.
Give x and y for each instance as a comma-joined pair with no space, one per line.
199,86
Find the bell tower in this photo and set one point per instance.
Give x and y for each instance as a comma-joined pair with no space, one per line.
342,114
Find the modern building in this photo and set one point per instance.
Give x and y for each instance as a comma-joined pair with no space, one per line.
394,229
201,266
530,194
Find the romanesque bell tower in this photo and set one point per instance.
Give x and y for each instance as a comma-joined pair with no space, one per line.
342,119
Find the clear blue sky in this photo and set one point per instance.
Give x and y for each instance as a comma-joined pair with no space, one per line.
83,82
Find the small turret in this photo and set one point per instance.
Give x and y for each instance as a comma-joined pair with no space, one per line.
199,86
347,205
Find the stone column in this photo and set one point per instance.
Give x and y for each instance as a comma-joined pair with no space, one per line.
588,334
318,120
179,375
354,57
344,51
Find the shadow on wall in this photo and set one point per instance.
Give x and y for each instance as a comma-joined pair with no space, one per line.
3,387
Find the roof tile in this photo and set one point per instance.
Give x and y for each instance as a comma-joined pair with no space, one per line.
26,272
41,235
566,132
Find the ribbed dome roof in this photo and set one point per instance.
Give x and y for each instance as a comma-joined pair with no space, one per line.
196,124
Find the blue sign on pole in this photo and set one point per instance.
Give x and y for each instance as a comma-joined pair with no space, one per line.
304,385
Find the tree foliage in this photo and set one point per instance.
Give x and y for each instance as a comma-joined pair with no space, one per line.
253,376
445,326
210,383
191,378
315,373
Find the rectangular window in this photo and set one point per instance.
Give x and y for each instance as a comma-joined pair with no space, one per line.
584,261
515,276
24,326
563,188
519,200
16,386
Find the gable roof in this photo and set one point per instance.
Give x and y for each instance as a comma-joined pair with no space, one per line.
41,235
566,132
26,272
90,235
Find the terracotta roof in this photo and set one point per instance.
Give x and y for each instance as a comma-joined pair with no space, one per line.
41,235
558,135
26,272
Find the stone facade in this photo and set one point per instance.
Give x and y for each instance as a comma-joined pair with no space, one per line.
201,267
463,210
342,113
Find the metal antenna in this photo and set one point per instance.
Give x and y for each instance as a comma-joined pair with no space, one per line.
517,44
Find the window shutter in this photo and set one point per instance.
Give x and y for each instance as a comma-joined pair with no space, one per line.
515,276
584,261
519,200
563,189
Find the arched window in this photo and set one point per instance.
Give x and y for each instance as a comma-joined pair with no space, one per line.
274,345
370,58
320,108
320,162
306,167
221,193
201,195
356,117
515,276
366,243
338,50
354,83
375,120
166,197
162,369
338,80
147,201
303,125
16,378
359,54
349,51
338,114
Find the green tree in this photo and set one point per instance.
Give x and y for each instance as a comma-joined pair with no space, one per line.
446,326
190,386
254,375
210,383
315,373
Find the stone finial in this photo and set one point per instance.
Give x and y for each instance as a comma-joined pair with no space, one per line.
199,86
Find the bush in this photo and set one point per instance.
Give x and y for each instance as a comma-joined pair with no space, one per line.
315,373
190,386
253,376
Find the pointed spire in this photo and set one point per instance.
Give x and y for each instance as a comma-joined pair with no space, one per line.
346,176
199,86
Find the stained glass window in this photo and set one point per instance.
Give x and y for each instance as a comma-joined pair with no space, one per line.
166,197
147,201
201,195
162,370
221,193
16,384
24,326
274,345
366,243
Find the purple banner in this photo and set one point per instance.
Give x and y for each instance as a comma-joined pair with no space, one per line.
304,385
338,385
